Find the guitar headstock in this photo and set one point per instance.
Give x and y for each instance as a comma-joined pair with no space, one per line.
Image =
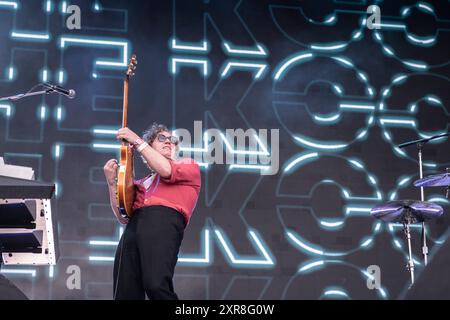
132,66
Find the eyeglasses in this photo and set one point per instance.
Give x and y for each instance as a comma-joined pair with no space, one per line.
172,139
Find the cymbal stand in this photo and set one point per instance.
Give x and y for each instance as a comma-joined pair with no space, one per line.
406,229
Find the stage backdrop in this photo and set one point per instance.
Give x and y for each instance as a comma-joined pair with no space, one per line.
342,96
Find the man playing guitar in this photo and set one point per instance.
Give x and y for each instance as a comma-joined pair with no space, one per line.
148,249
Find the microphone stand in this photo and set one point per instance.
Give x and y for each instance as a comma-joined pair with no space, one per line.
29,94
420,144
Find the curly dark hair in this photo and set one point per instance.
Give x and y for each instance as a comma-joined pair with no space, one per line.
151,133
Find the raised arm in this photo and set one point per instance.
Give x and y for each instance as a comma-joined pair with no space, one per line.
154,159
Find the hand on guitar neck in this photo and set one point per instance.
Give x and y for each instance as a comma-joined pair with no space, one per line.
126,135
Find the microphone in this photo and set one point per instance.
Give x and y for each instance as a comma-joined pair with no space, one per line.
68,93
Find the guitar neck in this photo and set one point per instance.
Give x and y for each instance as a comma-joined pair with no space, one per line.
125,104
129,74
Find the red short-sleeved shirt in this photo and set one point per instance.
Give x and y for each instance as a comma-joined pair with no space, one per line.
179,191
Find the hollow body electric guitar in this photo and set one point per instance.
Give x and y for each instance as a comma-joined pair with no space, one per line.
125,175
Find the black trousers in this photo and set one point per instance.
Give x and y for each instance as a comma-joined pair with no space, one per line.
147,254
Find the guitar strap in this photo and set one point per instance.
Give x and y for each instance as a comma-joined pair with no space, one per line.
149,181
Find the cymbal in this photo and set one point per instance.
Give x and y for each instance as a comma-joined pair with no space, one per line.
439,180
407,211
